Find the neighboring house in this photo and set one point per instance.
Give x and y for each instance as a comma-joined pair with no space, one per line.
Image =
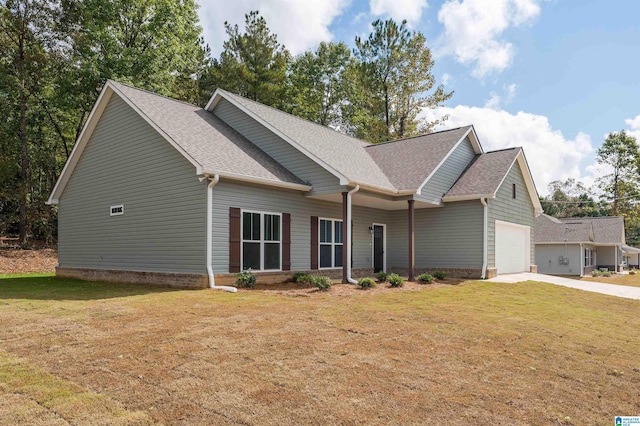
157,190
578,245
630,256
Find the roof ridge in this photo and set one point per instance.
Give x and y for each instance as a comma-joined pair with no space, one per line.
296,117
417,136
153,93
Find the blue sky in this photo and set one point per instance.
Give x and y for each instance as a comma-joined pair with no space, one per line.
552,76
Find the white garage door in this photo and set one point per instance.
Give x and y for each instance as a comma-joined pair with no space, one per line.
512,248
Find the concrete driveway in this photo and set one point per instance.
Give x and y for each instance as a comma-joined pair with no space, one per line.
603,288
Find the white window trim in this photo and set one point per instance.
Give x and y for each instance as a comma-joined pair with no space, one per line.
261,241
384,246
332,243
117,206
591,257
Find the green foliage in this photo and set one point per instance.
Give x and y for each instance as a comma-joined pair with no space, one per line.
323,283
440,275
253,64
393,82
304,279
395,280
317,84
382,276
425,278
570,198
621,154
607,273
366,283
246,279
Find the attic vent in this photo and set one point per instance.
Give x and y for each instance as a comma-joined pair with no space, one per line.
116,210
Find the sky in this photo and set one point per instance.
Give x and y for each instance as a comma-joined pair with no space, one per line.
552,76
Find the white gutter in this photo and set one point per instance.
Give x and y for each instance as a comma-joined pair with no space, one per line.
212,282
354,190
485,239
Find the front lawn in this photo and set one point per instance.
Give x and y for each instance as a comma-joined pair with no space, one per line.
475,353
620,279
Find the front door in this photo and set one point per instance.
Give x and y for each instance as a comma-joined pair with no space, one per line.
378,248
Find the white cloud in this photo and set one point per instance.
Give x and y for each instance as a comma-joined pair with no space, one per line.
473,30
299,25
634,126
551,156
496,101
411,10
446,79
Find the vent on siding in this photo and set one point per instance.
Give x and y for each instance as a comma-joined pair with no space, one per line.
116,210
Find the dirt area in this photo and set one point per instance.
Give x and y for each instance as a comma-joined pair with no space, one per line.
473,353
18,261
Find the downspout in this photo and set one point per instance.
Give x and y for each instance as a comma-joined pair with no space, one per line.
353,191
485,239
212,281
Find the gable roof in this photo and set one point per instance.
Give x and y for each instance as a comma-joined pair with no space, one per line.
400,167
342,155
409,163
484,176
590,230
212,146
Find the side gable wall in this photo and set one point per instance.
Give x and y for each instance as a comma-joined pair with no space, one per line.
504,207
127,162
448,173
280,150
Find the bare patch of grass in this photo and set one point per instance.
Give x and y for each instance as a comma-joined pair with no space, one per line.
480,352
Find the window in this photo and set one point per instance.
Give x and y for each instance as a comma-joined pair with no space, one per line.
330,243
513,190
116,210
588,257
261,241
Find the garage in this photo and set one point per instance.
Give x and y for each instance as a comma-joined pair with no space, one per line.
513,248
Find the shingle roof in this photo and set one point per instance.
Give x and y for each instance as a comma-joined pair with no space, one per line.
484,174
343,153
207,139
408,162
597,230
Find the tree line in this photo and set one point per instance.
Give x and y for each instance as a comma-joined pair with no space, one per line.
616,191
55,56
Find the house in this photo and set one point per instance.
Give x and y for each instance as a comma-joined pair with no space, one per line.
630,256
160,191
577,246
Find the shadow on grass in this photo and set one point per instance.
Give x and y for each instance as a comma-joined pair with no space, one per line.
49,287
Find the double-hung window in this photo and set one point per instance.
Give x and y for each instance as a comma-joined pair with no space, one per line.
588,257
261,241
330,243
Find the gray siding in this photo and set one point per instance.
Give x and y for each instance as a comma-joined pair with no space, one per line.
447,237
505,208
448,173
127,162
548,255
230,194
279,149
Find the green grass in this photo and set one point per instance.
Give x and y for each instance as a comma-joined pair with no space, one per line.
478,352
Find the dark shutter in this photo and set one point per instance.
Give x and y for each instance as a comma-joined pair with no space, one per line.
234,239
286,242
314,242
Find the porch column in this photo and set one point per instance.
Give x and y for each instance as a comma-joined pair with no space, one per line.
345,239
411,235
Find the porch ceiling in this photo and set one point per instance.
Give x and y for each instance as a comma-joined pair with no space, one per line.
372,201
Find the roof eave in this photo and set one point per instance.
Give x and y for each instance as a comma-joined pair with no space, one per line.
259,180
467,197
